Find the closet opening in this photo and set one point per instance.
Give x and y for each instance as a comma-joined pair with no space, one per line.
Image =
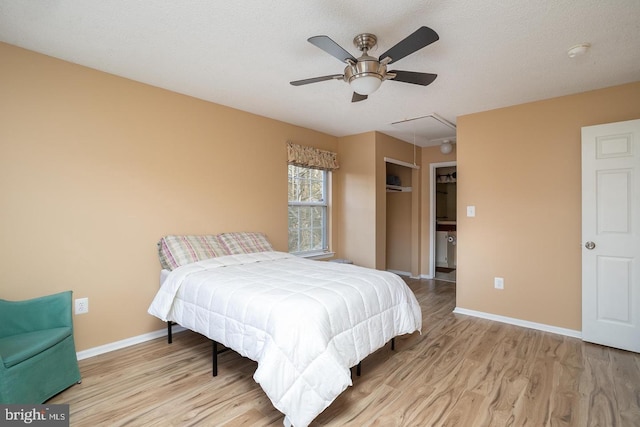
398,216
402,217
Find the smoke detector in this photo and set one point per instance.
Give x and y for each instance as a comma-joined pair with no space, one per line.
578,50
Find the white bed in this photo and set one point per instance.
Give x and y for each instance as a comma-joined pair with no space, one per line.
305,322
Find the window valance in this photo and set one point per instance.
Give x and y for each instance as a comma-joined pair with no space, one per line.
309,157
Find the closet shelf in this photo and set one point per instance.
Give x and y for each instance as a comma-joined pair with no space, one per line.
398,189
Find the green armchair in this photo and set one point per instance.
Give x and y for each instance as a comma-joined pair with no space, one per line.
37,351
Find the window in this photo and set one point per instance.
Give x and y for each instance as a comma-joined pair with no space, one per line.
307,210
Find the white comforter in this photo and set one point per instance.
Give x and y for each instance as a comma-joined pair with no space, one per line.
305,322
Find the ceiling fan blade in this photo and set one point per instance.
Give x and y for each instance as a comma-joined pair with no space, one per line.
331,47
317,79
413,77
422,37
357,97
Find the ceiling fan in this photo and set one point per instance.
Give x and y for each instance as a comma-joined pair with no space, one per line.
366,73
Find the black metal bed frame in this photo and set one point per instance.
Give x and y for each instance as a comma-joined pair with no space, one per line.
217,351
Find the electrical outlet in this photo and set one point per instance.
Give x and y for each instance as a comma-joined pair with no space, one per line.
82,305
498,282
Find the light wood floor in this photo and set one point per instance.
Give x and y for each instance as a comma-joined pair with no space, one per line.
462,371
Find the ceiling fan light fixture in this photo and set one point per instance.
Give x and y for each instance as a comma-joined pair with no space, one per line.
365,84
366,75
446,147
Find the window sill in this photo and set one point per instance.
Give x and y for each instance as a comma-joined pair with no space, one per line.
316,255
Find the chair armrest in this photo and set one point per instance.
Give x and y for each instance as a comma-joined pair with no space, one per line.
51,311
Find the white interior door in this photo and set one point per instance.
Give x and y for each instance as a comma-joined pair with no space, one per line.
611,234
441,249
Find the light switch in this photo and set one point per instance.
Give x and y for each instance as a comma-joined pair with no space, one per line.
471,211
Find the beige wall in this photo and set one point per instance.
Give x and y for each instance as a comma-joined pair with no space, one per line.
362,221
520,168
356,202
94,169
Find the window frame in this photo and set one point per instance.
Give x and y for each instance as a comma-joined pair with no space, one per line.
324,204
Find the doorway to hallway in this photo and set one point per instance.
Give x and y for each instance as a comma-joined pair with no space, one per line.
443,262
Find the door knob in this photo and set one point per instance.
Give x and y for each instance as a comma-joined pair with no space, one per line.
589,245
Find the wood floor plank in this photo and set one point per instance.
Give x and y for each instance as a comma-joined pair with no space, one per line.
626,380
599,398
565,396
534,405
461,371
448,398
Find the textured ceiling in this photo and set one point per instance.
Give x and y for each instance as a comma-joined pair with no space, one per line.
491,53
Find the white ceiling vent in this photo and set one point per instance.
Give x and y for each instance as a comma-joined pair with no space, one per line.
428,130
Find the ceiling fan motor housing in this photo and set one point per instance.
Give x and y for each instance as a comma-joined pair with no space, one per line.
366,66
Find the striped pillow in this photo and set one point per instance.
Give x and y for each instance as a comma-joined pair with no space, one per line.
245,242
175,251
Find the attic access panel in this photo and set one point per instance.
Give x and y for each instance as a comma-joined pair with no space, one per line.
428,130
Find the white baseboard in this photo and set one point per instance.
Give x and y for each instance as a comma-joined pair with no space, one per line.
84,354
400,273
426,276
404,273
520,322
95,351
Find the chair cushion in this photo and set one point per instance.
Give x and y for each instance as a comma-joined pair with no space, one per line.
17,348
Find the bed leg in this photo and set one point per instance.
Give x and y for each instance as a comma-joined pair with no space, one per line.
393,343
215,358
169,335
359,368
